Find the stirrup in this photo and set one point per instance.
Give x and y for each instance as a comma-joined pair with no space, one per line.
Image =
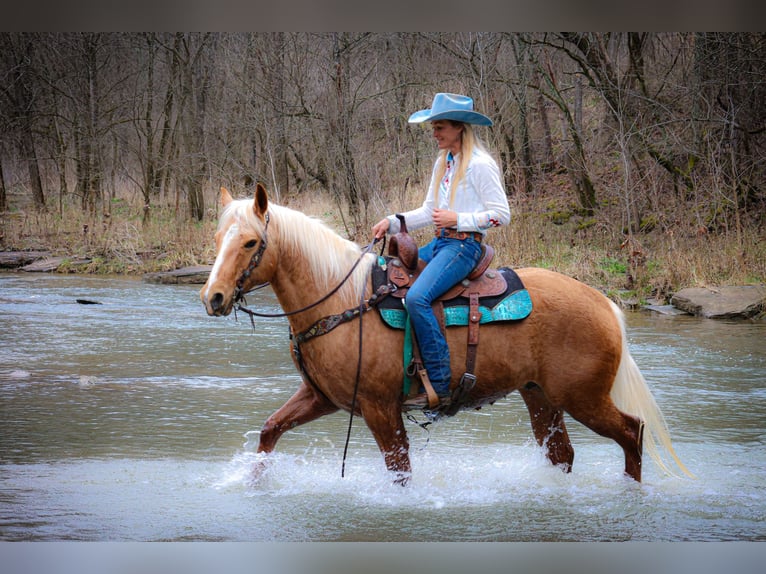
421,401
460,394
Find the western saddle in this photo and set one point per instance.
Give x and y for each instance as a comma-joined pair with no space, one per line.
404,268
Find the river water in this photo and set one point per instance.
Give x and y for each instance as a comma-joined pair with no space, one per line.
137,418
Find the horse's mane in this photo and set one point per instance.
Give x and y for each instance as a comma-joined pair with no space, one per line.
327,256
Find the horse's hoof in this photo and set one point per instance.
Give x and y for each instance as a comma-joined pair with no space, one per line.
257,472
402,478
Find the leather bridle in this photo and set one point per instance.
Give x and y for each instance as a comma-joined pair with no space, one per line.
255,261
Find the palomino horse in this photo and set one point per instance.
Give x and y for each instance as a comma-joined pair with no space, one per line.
570,355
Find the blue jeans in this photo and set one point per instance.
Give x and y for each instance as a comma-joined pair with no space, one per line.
449,262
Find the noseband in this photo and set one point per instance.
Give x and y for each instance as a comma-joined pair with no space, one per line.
255,261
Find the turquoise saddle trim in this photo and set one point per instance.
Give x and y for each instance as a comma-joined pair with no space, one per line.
515,306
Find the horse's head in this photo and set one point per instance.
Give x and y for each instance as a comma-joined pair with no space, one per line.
242,259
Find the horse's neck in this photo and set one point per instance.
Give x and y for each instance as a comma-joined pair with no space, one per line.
296,287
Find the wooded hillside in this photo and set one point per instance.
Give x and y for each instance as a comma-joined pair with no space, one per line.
662,129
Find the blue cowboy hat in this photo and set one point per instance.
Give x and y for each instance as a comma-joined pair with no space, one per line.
451,107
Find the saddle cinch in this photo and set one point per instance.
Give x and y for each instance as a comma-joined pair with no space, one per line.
486,295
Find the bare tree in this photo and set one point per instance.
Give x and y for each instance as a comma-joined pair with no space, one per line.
170,116
194,75
575,153
19,94
3,194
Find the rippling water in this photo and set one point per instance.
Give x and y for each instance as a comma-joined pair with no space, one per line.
137,419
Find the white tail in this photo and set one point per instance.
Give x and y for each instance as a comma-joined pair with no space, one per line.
631,394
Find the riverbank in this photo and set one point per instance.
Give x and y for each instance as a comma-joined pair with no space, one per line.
640,269
727,302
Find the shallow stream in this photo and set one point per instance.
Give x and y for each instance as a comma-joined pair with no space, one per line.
137,418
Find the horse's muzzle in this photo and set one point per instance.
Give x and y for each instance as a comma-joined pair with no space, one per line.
216,304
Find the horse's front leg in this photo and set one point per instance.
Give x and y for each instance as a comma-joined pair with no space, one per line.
385,423
304,406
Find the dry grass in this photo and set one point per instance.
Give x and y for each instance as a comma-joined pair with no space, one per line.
653,264
118,243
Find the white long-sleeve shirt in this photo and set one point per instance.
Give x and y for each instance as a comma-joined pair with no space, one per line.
480,200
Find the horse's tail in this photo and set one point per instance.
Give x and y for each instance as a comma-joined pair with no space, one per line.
631,394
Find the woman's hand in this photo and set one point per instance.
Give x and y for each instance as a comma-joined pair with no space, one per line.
444,218
380,228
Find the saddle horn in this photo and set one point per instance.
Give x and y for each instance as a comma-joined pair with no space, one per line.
403,247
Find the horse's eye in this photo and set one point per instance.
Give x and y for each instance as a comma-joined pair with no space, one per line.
250,244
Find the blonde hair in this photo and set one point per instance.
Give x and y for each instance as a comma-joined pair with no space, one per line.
469,141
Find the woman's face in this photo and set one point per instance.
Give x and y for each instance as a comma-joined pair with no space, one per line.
448,135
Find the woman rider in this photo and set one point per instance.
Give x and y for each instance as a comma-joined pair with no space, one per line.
466,197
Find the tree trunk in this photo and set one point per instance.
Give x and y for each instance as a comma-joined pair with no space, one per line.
24,105
33,169
194,89
343,118
548,161
525,151
575,156
150,171
3,195
281,174
165,153
61,162
91,154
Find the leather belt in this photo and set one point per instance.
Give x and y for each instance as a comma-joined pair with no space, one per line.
455,234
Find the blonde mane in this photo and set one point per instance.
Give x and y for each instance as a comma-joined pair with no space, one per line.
327,256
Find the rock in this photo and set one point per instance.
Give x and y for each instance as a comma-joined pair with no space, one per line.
624,299
45,264
15,259
722,302
665,309
87,381
49,264
185,276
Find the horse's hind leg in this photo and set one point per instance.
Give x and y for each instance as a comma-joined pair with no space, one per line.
548,427
604,418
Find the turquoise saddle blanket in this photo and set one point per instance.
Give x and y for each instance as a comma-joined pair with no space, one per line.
512,305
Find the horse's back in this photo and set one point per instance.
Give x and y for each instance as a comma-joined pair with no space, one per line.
571,323
558,298
548,287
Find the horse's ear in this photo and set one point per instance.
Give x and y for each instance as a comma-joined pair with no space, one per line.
226,197
261,202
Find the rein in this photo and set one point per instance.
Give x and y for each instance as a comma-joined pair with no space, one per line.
316,329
